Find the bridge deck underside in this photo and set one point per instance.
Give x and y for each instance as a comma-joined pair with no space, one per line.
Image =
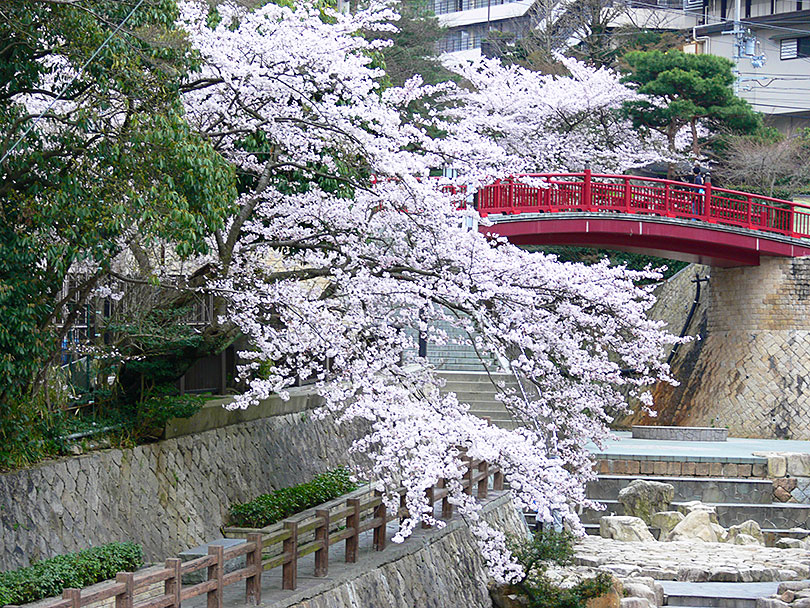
689,241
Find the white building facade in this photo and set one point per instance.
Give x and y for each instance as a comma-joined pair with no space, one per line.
772,58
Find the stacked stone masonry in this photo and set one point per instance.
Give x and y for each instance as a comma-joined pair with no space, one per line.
167,496
677,468
749,372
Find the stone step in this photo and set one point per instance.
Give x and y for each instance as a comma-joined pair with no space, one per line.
776,516
705,489
716,595
452,376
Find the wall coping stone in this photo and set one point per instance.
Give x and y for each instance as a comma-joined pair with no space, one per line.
213,414
679,433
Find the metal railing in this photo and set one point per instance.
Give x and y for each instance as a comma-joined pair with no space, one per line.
588,191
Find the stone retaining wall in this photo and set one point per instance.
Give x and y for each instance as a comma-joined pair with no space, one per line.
167,496
677,468
749,372
679,433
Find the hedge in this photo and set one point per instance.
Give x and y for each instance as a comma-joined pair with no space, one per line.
269,508
73,570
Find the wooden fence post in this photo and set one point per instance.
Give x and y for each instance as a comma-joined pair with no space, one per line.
215,573
289,571
402,505
253,583
379,529
447,507
124,599
497,480
483,482
322,535
74,595
431,501
468,476
172,585
353,523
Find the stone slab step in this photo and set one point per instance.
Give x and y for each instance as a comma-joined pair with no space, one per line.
705,489
719,595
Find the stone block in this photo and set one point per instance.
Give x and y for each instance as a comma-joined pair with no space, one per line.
798,464
759,470
666,521
644,498
646,467
635,602
688,469
624,528
730,470
771,602
697,525
633,467
716,469
702,469
777,466
674,469
744,470
659,468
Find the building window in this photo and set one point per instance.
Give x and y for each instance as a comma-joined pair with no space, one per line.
794,48
747,9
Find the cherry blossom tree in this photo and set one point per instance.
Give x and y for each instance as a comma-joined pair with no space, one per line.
342,250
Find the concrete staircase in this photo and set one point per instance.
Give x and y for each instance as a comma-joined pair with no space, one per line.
476,389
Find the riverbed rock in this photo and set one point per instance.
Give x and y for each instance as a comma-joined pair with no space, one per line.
643,498
748,528
695,505
666,520
624,528
697,525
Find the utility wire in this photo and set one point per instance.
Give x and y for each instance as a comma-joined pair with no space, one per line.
69,84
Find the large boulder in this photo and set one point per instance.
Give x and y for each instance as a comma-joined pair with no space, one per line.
697,525
695,505
625,528
748,528
665,521
644,498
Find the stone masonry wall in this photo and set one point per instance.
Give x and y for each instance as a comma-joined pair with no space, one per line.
752,373
168,496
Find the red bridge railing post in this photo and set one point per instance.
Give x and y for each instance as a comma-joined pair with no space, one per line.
627,194
586,189
707,201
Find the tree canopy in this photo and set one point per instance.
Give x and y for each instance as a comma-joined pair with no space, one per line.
260,156
686,94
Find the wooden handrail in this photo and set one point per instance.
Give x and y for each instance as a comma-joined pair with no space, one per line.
360,511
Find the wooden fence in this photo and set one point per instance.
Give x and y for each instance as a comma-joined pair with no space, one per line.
282,544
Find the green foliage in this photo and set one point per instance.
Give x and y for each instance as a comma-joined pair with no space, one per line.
270,508
73,570
119,154
149,417
684,89
548,547
634,261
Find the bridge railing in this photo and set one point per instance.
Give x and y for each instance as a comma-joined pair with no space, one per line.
586,191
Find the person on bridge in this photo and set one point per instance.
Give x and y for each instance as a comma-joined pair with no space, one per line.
698,181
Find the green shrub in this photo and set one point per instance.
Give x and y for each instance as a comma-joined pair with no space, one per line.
547,547
269,508
73,570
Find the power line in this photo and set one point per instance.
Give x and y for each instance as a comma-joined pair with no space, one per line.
69,84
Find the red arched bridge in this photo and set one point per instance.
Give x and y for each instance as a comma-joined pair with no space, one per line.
660,217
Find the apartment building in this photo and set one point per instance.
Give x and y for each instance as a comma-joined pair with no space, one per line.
772,53
469,22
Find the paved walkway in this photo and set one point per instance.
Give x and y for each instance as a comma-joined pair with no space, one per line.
734,449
